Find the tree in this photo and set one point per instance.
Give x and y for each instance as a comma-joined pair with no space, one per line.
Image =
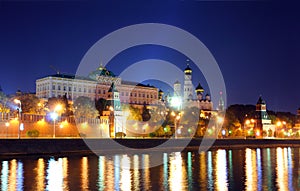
68,110
134,113
3,103
53,102
29,103
100,105
84,107
145,113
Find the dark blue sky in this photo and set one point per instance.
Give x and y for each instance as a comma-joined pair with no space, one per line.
256,44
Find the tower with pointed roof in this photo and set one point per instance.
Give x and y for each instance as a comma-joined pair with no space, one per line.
199,92
263,121
188,85
114,111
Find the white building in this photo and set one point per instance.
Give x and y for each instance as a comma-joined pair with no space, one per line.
95,86
188,97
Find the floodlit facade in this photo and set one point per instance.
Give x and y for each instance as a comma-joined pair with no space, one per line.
95,86
187,97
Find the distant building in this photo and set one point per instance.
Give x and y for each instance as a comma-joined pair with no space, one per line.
187,98
263,126
95,86
297,121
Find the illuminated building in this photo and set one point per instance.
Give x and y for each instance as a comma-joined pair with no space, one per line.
263,121
95,86
187,98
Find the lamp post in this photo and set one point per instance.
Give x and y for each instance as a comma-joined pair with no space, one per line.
7,125
220,121
54,117
176,119
20,110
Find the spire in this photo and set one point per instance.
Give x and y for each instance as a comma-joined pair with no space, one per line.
199,89
188,70
112,88
260,100
177,82
101,66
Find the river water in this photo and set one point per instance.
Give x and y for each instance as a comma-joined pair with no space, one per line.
219,169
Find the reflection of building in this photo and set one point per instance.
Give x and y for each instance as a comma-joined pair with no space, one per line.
263,121
95,86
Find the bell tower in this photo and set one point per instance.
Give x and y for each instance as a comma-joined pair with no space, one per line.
188,85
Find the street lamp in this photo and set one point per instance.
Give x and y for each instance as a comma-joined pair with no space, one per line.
54,117
220,121
7,125
20,110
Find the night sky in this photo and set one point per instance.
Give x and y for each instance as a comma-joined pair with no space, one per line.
256,44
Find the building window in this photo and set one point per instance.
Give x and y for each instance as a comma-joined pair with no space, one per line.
134,94
69,89
99,91
122,93
79,90
53,87
74,89
84,90
126,93
58,87
147,96
89,90
151,96
143,95
103,91
65,88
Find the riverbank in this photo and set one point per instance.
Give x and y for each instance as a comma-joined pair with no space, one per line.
27,147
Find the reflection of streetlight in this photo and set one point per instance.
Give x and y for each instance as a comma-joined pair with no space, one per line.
20,110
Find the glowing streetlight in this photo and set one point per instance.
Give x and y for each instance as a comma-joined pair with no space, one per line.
20,110
176,102
54,116
7,125
58,107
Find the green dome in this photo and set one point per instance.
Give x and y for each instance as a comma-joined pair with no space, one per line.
101,71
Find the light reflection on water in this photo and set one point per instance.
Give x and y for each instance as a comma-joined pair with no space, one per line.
238,169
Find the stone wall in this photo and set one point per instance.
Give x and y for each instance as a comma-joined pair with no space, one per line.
64,126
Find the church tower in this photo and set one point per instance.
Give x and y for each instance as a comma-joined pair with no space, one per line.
177,89
188,85
199,91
